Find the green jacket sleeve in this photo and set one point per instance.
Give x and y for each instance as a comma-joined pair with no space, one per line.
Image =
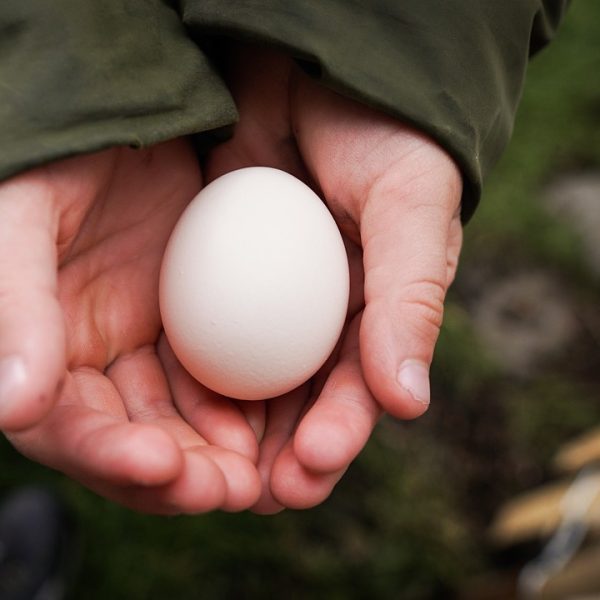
78,76
453,68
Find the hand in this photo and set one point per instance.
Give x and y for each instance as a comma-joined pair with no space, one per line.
395,195
87,385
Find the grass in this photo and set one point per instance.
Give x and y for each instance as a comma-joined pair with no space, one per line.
409,518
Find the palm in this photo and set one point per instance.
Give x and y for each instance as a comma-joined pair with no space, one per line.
109,261
117,423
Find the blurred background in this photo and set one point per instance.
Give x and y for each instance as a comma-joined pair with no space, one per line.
455,504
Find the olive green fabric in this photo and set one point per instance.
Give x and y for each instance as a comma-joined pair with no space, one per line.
82,75
453,68
77,76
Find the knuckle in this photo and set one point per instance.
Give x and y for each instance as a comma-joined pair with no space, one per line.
425,300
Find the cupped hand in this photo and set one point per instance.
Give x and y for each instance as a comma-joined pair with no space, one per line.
395,195
87,384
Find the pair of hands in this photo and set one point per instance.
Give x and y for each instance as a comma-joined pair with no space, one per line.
88,383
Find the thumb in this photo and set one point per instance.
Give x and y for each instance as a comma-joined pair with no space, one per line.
32,337
411,234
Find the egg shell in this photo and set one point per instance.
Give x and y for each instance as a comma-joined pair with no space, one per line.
254,284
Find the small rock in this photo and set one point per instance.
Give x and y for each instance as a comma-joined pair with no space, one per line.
524,319
576,198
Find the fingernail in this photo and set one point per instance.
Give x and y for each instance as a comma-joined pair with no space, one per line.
413,376
12,377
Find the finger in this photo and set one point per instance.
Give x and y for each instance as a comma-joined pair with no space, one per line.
330,435
255,414
87,434
87,444
294,486
141,382
341,420
214,417
241,477
199,488
32,336
405,229
207,482
282,416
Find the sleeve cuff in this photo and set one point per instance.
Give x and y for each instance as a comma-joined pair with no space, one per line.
82,76
453,69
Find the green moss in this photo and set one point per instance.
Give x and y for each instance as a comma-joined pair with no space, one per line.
547,412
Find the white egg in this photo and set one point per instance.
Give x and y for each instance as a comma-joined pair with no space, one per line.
254,284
